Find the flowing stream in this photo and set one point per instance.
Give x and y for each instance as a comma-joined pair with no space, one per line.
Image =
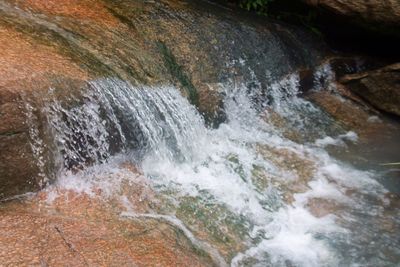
260,187
242,192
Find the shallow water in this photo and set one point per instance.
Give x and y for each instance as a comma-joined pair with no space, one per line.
242,192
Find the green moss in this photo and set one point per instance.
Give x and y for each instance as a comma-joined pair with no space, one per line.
259,179
11,133
178,73
261,6
227,229
237,167
122,18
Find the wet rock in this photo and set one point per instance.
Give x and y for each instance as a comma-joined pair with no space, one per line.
84,231
320,207
211,103
227,235
281,123
18,170
88,228
377,140
298,170
90,11
11,113
23,58
380,87
387,12
25,68
348,113
349,65
333,69
306,80
64,44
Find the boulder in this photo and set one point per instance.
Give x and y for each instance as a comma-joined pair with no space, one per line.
62,45
25,68
387,12
360,25
381,87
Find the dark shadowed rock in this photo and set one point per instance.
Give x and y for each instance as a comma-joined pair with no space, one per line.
376,14
380,87
375,11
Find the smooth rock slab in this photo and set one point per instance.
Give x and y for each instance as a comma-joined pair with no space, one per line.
76,230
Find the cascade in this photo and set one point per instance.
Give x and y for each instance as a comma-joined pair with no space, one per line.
245,170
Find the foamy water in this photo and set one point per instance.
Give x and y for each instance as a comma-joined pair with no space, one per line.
243,175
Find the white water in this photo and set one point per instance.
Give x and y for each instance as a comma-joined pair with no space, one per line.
158,130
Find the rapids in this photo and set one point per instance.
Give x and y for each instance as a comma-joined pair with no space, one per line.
243,192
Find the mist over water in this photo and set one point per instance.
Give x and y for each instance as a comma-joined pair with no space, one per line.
283,202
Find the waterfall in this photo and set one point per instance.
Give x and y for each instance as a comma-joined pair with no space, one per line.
252,184
115,117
